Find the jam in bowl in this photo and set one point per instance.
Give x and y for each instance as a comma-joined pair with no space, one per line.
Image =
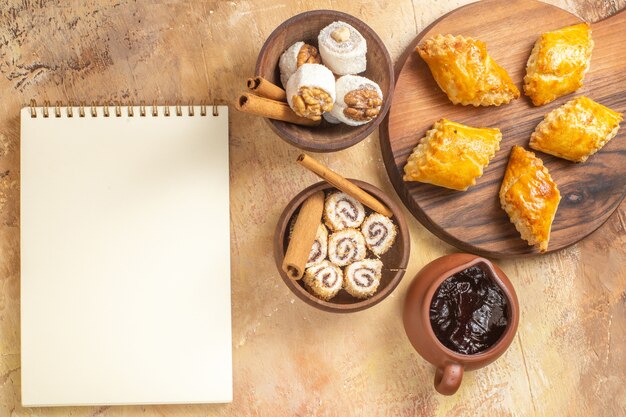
460,313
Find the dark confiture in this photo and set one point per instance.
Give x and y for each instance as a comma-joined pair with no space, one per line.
469,311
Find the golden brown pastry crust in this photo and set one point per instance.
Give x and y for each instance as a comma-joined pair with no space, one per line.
558,63
530,197
452,155
465,71
576,130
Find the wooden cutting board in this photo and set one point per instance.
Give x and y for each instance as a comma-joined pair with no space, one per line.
473,220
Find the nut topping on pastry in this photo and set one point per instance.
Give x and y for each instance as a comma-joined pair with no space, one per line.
308,55
363,104
311,91
312,102
341,34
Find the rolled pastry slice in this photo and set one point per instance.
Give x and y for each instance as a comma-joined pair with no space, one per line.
379,232
576,130
323,280
452,155
311,91
361,279
464,70
343,48
558,63
294,57
319,250
346,246
358,100
341,211
530,197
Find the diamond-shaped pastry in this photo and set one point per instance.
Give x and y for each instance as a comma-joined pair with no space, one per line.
558,63
465,72
576,130
530,197
452,155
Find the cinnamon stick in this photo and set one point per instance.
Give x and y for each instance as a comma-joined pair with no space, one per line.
343,184
261,87
272,109
303,236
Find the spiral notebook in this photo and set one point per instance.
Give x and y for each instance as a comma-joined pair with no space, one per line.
125,259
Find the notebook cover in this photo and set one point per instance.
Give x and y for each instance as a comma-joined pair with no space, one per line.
125,259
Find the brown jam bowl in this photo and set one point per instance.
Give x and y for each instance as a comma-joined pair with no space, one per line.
450,364
395,260
305,27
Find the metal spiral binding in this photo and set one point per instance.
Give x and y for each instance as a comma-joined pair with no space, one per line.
117,106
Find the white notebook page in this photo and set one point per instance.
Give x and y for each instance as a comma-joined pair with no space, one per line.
125,252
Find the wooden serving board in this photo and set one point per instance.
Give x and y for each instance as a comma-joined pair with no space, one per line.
473,220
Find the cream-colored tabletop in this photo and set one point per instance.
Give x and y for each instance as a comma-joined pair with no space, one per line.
569,355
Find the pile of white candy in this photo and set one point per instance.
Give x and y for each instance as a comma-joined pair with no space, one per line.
343,52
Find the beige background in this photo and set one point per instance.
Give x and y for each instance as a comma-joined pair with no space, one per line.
289,359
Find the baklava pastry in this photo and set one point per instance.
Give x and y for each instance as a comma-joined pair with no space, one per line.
576,130
465,72
452,155
361,279
558,63
530,197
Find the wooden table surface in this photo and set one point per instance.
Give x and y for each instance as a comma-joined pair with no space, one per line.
568,358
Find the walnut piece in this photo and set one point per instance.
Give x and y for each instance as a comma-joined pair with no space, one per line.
363,104
308,55
311,102
341,34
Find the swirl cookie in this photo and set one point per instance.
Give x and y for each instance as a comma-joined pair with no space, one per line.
361,279
346,246
319,249
341,211
379,232
323,280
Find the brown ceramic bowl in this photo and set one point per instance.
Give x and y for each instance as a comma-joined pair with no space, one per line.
305,27
450,364
395,260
